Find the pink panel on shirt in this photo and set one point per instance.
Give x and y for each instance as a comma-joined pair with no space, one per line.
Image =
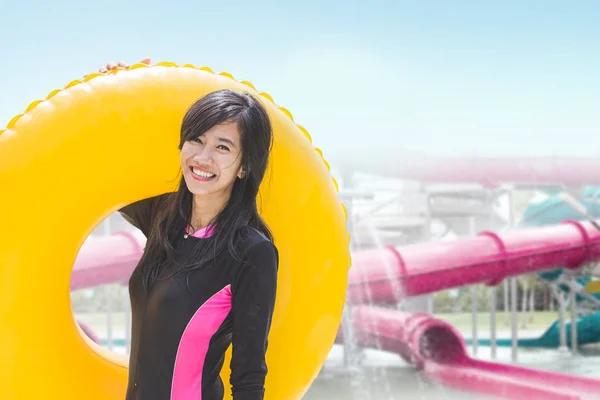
193,345
202,233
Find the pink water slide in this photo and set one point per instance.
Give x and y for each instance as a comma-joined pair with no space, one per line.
388,275
107,259
438,350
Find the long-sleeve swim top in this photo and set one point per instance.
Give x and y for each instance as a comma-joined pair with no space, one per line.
183,324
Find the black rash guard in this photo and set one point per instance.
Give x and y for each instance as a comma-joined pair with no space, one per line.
182,325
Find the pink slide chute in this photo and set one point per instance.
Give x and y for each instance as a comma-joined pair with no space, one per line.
388,275
107,259
439,352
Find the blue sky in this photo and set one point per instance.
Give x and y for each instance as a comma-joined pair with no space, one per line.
445,77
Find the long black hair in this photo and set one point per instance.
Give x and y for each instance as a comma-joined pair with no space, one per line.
232,223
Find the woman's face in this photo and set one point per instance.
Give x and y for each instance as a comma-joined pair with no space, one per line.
212,162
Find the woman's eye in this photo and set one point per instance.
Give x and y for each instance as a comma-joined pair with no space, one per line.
223,147
197,140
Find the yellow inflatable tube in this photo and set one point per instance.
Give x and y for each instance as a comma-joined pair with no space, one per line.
98,144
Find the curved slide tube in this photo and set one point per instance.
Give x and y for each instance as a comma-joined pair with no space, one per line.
445,357
107,259
96,266
390,275
436,348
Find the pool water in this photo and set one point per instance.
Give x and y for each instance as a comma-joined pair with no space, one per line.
381,376
385,376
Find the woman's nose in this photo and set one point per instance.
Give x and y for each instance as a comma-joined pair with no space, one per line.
203,155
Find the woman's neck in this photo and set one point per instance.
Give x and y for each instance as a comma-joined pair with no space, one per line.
205,208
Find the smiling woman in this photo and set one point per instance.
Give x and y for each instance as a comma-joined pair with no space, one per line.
207,237
226,221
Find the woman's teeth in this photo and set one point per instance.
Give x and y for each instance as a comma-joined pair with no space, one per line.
202,174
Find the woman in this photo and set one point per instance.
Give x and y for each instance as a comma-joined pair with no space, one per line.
208,275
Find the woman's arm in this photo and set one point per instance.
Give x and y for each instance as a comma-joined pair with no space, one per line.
141,213
253,300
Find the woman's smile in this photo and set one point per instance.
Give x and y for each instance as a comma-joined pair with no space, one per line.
202,175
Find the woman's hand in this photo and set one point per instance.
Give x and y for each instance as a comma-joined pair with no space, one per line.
111,65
